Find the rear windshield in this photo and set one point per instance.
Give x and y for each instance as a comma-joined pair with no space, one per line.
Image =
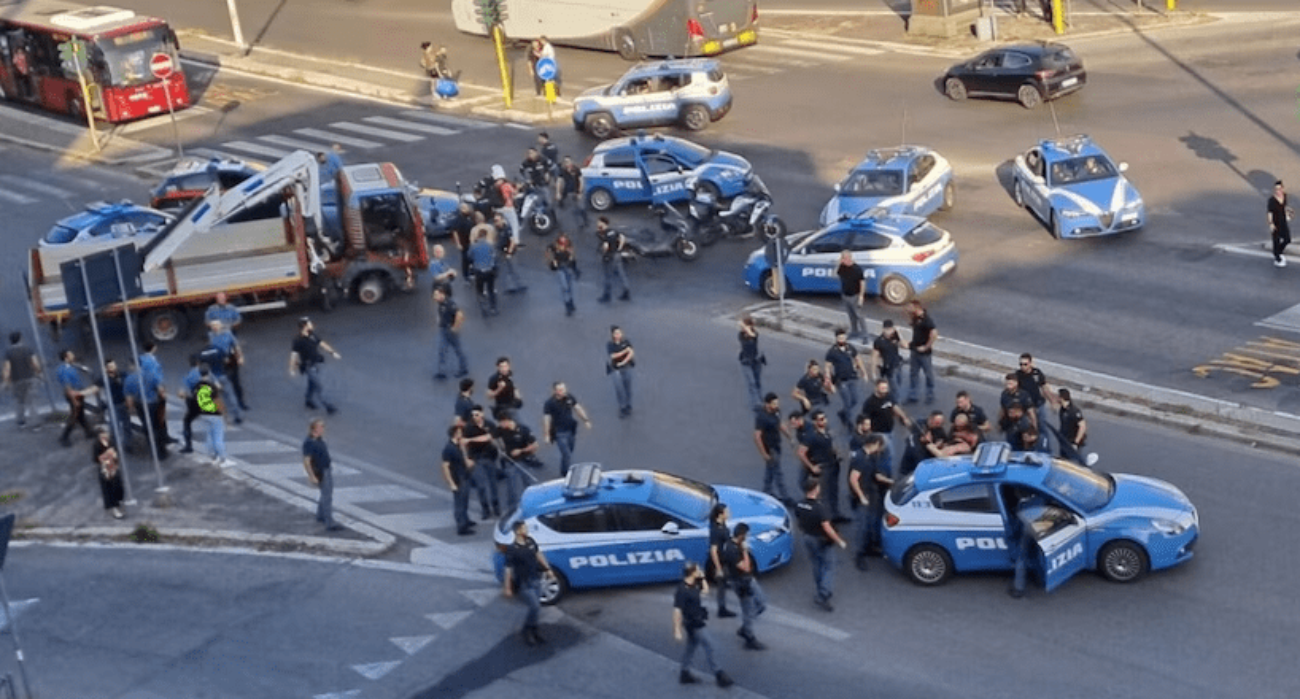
1059,59
904,490
923,235
716,75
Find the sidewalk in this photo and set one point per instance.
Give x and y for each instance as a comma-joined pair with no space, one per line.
59,135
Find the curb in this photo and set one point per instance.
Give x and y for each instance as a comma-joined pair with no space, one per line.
207,538
1255,427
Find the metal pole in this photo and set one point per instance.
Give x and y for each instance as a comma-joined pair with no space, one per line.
99,349
234,24
130,334
176,131
13,629
780,276
40,346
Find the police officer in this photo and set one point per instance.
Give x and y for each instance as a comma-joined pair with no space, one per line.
611,260
739,567
921,357
478,437
464,401
517,441
714,571
817,453
845,369
501,387
974,414
144,397
306,358
536,170
868,481
768,431
225,365
1034,519
1034,383
524,566
689,617
1012,393
455,470
1074,429
69,376
230,317
622,359
887,356
819,536
506,249
751,361
560,415
450,320
813,388
882,410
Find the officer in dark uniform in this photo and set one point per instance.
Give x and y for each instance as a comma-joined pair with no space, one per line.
813,388
817,453
501,387
869,481
689,617
719,534
1034,518
1074,429
819,536
845,368
464,401
455,470
740,570
517,440
768,431
881,407
478,437
524,566
113,389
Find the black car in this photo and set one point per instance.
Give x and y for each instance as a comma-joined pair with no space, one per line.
1030,73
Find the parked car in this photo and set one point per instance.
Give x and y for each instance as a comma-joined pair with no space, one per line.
904,180
693,93
1074,187
192,176
643,169
1028,73
104,221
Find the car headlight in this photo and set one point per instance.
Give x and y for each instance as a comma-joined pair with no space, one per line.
769,535
1168,527
1073,213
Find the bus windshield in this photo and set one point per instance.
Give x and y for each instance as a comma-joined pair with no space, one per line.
127,55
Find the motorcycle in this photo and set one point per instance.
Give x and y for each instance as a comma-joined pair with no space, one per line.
750,212
535,211
672,237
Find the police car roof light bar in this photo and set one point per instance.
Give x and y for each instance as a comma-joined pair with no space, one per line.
583,480
990,457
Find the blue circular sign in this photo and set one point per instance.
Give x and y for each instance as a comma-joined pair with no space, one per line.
547,69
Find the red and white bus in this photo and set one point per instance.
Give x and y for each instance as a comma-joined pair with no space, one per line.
120,47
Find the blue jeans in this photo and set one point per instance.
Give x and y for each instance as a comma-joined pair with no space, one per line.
228,391
895,378
506,264
216,427
530,593
856,328
460,505
850,391
325,508
564,440
485,482
822,555
830,480
509,484
752,603
564,276
917,363
315,390
753,373
622,379
449,340
773,477
699,638
613,269
1044,431
868,524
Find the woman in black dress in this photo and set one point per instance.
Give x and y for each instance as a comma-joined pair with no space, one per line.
110,472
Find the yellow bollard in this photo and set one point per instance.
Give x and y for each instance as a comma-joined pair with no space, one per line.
1058,16
1171,4
550,99
501,62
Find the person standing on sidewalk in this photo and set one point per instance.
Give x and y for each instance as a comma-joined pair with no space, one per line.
541,48
921,356
21,369
212,411
230,317
622,359
853,293
560,415
455,470
450,320
768,433
751,361
740,571
143,397
107,462
1279,223
611,259
561,259
113,391
524,566
306,358
316,460
819,536
845,369
69,375
689,617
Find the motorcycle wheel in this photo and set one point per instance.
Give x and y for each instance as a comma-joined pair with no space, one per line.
542,223
771,227
709,235
686,249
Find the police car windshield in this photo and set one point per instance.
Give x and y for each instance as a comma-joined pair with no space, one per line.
1088,489
690,499
1083,169
691,153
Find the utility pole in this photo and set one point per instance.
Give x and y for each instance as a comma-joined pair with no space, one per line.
235,26
491,13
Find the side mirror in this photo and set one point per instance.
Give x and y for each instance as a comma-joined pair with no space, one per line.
837,187
1123,167
669,529
1092,459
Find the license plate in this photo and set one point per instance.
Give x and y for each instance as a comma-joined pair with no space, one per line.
1069,82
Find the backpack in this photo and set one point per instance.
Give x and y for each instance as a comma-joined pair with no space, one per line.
493,194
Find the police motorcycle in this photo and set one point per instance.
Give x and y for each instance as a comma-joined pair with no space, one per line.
748,213
673,236
534,209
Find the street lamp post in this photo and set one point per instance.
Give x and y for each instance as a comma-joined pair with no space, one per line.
234,24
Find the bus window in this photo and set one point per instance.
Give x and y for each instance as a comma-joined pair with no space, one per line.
127,55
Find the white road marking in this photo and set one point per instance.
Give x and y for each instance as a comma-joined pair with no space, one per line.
482,597
1286,320
374,671
16,197
36,186
448,119
254,446
446,620
212,153
412,644
410,125
795,53
332,137
295,143
372,131
256,148
377,493
18,607
832,46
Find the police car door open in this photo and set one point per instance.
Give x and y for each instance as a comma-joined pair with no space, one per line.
1059,536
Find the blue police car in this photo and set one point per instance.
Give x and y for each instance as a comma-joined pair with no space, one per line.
643,169
1073,186
956,514
438,208
103,221
900,256
608,528
904,180
693,93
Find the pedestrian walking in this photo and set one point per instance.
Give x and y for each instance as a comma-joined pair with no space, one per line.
211,404
501,196
819,539
869,482
738,564
1279,223
752,361
230,317
479,436
505,257
22,368
768,434
316,460
921,356
619,365
568,184
560,415
450,321
689,620
813,388
845,369
461,226
523,577
549,151
887,356
853,293
455,471
223,357
560,258
306,357
714,571
189,382
883,412
71,380
501,387
611,259
1073,432
820,462
108,468
483,259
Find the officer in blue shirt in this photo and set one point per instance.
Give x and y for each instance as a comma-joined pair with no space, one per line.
225,367
157,393
142,398
482,258
75,391
113,389
224,311
845,369
455,470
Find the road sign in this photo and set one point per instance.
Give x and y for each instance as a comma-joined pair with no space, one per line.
161,65
547,69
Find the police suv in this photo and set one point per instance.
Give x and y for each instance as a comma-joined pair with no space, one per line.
652,169
602,529
957,514
693,93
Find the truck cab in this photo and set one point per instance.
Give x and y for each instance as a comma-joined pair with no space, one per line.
373,222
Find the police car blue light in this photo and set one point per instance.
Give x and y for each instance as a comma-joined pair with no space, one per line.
1074,187
605,529
643,169
901,256
954,515
692,93
904,180
103,221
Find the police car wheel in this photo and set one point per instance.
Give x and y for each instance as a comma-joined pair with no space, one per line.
949,196
599,125
771,286
600,199
928,565
707,188
1017,193
554,586
1056,226
1122,562
1029,96
695,117
895,290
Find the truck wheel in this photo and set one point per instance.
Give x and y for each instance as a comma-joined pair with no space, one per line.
165,324
625,44
371,289
599,125
600,199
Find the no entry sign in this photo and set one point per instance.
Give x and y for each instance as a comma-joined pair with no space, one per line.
161,65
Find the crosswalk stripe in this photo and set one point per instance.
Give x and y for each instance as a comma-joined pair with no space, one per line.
220,154
795,53
36,186
338,138
256,148
16,197
448,119
373,131
410,125
750,60
824,46
294,143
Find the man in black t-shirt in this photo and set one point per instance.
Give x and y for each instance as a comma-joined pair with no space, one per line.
974,414
921,358
501,387
456,471
819,536
689,619
882,409
768,433
478,436
740,570
817,454
853,292
869,482
1279,223
813,388
719,535
306,358
1074,428
887,356
560,415
846,371
1034,383
524,566
517,441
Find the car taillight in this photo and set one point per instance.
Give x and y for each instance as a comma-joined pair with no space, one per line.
1044,74
694,28
753,15
923,256
891,520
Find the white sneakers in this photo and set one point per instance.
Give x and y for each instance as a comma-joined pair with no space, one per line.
222,462
1279,263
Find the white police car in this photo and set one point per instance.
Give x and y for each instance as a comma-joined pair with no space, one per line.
900,256
603,529
1073,186
692,93
102,221
904,180
644,169
954,515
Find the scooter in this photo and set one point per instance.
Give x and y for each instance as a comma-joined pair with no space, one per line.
671,237
749,213
534,209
